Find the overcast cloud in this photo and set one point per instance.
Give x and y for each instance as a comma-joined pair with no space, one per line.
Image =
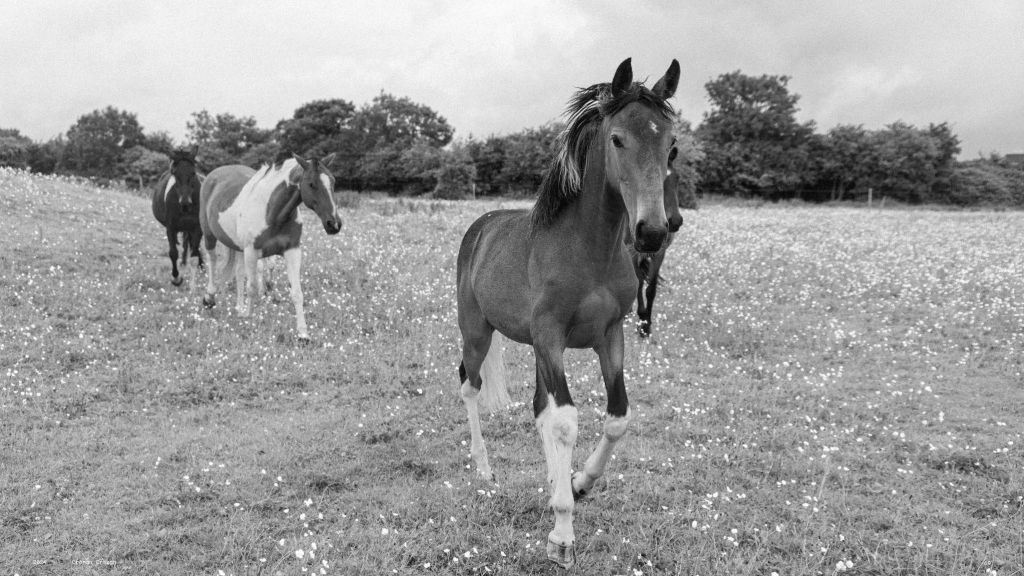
498,67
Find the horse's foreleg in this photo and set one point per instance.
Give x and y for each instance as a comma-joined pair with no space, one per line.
557,422
652,289
643,311
610,354
246,277
293,263
172,242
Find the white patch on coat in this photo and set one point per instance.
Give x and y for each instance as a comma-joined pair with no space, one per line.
170,185
654,127
246,218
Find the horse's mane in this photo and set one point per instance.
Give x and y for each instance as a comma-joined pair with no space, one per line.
563,180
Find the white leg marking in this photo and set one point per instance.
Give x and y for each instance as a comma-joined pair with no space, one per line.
252,257
614,430
476,447
494,392
558,426
293,262
239,284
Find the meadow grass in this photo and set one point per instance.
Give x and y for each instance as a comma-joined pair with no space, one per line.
828,390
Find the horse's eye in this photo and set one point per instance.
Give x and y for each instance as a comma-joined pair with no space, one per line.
616,141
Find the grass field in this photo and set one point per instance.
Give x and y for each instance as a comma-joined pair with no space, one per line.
829,390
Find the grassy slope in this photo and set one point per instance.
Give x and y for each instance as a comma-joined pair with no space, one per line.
824,386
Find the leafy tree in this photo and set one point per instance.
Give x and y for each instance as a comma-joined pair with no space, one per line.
690,154
456,175
226,139
97,143
846,157
14,148
400,121
904,162
144,166
752,141
161,142
386,128
488,157
46,158
323,127
528,155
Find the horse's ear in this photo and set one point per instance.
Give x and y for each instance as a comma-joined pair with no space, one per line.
194,151
666,87
302,161
623,77
328,159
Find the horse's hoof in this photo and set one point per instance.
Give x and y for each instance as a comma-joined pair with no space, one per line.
577,495
643,329
562,554
303,340
209,301
177,281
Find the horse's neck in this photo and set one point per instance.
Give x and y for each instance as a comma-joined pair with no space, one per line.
283,212
600,213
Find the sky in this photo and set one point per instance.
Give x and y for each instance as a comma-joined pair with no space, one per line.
498,67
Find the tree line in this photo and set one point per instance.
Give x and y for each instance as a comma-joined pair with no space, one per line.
749,144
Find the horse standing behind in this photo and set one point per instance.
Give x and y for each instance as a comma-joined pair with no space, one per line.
648,268
562,276
175,206
255,213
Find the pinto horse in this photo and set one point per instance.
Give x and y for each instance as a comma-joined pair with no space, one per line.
255,213
561,276
175,206
648,268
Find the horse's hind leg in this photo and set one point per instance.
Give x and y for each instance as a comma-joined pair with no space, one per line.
476,345
293,263
610,354
210,298
172,242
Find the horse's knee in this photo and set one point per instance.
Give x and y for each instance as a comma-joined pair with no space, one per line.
564,425
615,427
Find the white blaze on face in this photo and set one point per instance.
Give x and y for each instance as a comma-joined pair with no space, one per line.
654,127
170,185
330,191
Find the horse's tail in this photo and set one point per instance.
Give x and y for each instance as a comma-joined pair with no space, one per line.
494,390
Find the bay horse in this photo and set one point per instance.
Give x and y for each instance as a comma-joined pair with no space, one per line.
648,268
561,276
175,206
255,213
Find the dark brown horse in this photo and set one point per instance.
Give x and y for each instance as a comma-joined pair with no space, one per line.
648,268
255,214
561,276
175,206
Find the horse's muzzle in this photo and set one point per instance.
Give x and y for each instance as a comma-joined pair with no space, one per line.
649,238
332,227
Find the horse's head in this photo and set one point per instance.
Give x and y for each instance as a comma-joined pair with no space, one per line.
675,217
317,189
185,180
637,140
